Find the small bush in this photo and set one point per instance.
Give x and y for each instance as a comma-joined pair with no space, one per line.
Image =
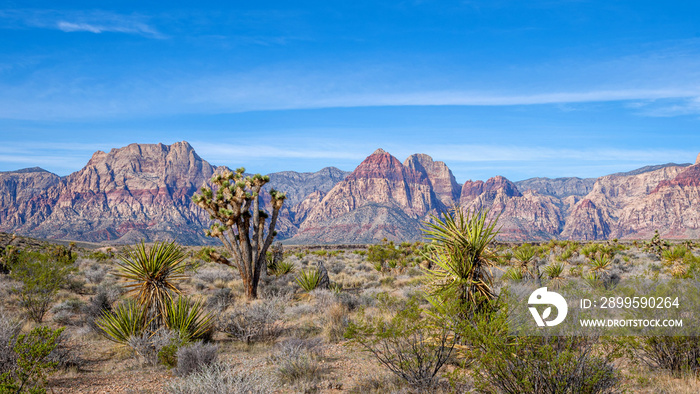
221,299
67,353
335,322
41,279
98,305
195,357
531,364
9,329
100,255
411,344
297,359
222,379
95,274
32,367
212,273
676,354
257,322
148,346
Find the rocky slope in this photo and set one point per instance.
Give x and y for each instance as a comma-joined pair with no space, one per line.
597,215
133,193
672,207
26,197
380,198
558,187
441,179
143,191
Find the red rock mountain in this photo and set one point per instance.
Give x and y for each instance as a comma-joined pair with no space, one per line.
143,191
375,201
133,193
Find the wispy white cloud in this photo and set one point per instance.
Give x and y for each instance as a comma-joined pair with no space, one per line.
81,21
671,108
505,153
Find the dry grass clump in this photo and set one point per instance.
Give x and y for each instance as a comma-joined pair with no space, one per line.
220,378
258,322
195,357
298,360
212,273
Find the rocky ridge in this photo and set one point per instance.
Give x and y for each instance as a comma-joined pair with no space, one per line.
143,191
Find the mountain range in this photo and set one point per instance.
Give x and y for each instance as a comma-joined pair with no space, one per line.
142,191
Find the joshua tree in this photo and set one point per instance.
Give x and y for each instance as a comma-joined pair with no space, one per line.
235,205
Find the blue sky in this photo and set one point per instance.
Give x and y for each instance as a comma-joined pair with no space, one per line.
513,88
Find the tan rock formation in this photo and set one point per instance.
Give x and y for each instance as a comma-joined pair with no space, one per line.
672,208
440,176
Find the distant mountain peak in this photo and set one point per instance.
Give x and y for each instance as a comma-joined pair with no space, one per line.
379,151
26,170
697,161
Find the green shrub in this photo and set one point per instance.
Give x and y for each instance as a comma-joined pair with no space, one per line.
412,345
168,354
501,362
41,278
32,366
676,354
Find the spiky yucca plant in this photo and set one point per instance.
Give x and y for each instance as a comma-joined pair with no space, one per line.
460,252
674,255
554,272
188,318
127,320
153,274
309,279
524,255
600,264
513,274
284,267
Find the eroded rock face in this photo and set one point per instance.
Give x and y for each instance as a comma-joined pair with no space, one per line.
27,197
380,181
471,190
558,187
672,207
441,179
141,191
588,222
598,215
528,216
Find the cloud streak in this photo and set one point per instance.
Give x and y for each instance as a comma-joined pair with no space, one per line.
78,21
